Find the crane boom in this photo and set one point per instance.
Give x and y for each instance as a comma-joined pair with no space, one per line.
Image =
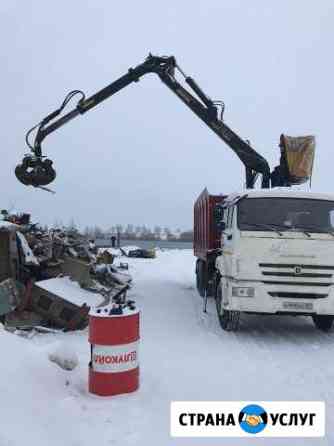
34,171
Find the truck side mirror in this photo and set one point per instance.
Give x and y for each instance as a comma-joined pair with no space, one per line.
221,226
218,218
218,214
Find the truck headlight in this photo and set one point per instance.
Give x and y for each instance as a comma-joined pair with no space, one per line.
243,291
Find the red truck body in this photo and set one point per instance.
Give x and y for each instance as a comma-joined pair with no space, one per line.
206,235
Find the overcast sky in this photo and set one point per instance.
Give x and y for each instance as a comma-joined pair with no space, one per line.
142,157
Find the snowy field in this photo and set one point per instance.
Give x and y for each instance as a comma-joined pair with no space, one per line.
184,355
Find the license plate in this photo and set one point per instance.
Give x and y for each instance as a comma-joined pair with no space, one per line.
298,306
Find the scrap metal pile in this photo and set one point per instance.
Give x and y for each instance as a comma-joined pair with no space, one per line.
49,279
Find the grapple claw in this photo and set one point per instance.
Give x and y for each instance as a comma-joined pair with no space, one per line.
34,171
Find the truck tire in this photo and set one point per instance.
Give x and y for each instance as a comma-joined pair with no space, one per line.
228,320
201,277
323,322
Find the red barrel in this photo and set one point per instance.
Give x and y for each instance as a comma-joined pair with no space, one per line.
114,339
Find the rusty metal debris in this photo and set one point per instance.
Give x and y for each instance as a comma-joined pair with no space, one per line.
11,295
49,278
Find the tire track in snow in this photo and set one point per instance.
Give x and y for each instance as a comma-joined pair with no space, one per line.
280,340
270,358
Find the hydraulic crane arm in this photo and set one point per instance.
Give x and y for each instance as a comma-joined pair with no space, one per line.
34,171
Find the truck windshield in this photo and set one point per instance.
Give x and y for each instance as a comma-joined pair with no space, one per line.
289,214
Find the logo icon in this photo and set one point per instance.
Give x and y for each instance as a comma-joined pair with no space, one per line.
298,270
253,419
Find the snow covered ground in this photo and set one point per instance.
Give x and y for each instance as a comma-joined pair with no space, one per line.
184,355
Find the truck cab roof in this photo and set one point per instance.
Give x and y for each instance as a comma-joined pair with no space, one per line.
279,192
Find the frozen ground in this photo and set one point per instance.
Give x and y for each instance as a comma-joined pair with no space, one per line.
184,355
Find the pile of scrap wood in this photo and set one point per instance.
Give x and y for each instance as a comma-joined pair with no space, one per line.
51,278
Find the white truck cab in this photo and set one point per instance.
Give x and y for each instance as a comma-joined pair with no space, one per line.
277,256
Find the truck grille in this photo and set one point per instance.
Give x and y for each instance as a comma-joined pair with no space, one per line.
293,265
297,295
297,275
282,274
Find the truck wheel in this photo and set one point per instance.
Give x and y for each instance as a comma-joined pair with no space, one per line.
229,320
201,278
324,322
